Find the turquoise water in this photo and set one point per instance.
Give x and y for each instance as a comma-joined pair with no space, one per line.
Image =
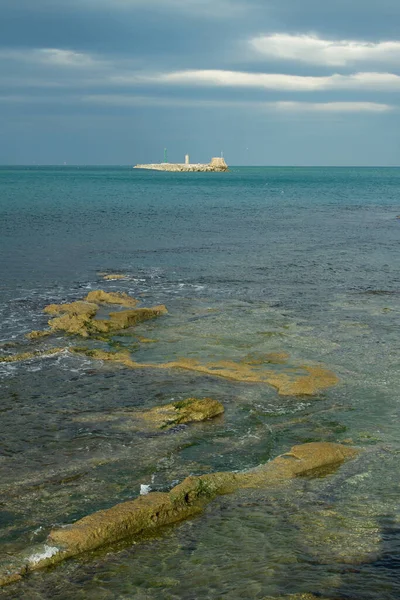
258,260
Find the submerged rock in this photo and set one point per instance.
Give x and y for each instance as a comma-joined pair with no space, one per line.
272,358
102,297
294,381
339,537
147,514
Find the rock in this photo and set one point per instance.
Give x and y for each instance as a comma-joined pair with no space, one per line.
190,410
78,308
35,335
273,358
102,297
73,324
29,355
77,318
147,514
187,411
339,537
301,381
114,277
128,318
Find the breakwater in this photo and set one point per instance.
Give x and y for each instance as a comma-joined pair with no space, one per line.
215,165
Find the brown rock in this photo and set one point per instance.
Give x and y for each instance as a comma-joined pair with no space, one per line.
102,297
304,380
34,335
187,411
147,514
28,355
114,277
78,308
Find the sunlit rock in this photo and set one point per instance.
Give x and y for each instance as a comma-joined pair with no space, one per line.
147,514
102,297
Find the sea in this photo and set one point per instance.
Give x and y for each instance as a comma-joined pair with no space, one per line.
255,262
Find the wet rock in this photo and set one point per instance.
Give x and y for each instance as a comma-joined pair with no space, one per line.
191,410
144,340
35,335
84,324
74,318
78,308
294,381
147,514
129,318
295,597
114,277
29,355
339,537
102,297
187,411
273,358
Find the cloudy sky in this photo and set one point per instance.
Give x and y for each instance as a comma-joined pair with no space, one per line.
270,82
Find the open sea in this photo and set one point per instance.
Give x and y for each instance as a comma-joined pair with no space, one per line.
302,261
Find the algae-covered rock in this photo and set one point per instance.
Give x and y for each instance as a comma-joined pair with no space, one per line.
83,324
102,297
146,514
35,335
301,381
114,277
78,308
129,318
259,358
74,318
339,537
191,410
186,411
29,355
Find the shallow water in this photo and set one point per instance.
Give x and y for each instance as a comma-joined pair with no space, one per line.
258,260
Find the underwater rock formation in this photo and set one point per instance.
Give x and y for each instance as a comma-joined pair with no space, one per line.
294,381
147,514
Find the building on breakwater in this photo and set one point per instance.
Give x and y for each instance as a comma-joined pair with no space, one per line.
217,164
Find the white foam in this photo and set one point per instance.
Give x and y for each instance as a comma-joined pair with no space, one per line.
145,489
48,552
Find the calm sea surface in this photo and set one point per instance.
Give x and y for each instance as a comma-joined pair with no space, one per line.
258,260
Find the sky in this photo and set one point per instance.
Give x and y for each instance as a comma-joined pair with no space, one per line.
266,82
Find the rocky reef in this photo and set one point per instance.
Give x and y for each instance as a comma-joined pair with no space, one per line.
304,380
190,410
147,514
78,318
